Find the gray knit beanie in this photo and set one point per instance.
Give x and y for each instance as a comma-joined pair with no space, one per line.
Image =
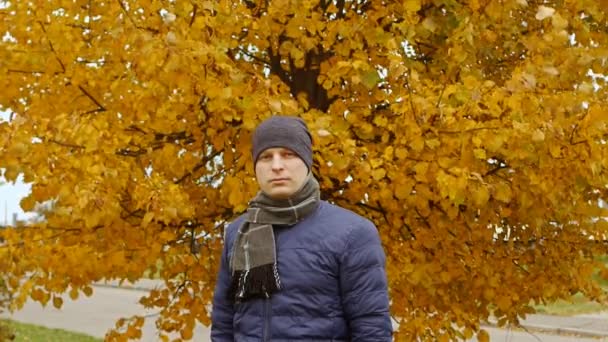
283,131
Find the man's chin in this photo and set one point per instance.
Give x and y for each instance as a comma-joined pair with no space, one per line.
280,194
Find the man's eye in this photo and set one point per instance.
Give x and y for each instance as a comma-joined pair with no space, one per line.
289,154
265,157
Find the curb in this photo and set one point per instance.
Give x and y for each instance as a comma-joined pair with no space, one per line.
552,329
568,330
124,287
491,324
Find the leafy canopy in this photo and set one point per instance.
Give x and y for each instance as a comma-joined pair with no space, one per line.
471,132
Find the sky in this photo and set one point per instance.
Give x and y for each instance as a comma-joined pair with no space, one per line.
12,193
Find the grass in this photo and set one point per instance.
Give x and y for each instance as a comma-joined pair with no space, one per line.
154,272
33,333
578,304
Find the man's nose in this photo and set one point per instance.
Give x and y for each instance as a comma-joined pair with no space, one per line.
277,163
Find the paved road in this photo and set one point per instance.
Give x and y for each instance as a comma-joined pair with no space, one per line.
97,314
499,335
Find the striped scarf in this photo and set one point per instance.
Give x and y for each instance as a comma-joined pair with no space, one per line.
254,260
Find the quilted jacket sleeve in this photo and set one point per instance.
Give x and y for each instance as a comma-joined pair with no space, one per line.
364,286
223,311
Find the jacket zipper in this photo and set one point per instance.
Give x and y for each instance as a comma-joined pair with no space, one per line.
267,303
267,319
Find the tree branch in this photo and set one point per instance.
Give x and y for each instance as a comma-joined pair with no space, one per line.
423,218
124,9
126,152
572,142
138,213
445,85
254,57
276,68
194,10
26,71
496,169
65,144
135,129
469,130
341,11
51,46
100,107
409,90
197,167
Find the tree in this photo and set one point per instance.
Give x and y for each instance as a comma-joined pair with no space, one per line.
471,133
6,333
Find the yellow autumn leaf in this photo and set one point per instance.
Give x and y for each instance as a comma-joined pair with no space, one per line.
474,5
559,22
544,12
412,5
57,302
27,203
502,192
480,153
376,162
389,153
483,336
73,293
235,197
421,171
37,295
186,334
378,174
555,151
147,218
538,135
432,143
481,196
401,153
88,291
403,191
503,302
417,144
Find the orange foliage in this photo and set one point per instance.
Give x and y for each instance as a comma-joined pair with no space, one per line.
470,132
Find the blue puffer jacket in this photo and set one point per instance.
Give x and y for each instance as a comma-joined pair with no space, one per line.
332,269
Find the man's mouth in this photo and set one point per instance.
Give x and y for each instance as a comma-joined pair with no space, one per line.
279,180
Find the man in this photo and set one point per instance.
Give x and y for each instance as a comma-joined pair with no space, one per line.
295,268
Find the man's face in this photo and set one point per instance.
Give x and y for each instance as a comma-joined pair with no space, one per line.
280,172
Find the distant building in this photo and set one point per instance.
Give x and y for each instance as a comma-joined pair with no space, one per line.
12,223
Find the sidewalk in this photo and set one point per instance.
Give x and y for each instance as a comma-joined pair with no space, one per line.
588,325
140,285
